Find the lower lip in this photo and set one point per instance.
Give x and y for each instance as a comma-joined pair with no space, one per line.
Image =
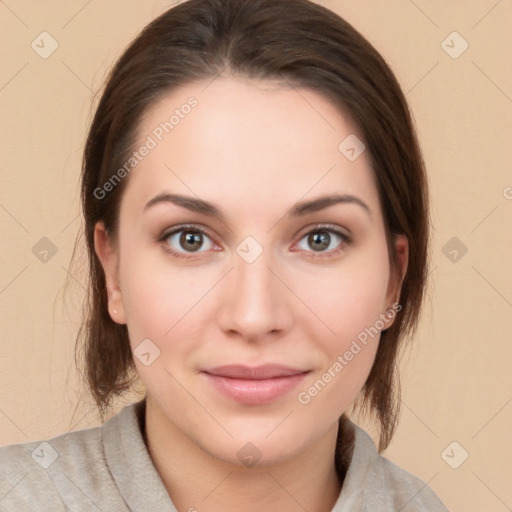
255,392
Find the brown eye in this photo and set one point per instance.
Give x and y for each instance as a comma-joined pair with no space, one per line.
324,241
186,240
191,241
319,240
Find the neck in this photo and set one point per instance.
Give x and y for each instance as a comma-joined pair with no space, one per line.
196,480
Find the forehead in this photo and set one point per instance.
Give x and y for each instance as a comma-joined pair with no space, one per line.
262,141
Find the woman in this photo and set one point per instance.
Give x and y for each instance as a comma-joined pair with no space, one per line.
256,218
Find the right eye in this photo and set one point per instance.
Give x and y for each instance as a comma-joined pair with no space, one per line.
183,241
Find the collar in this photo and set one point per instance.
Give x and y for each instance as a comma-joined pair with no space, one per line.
130,463
142,488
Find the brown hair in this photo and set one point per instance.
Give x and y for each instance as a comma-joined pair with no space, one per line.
296,41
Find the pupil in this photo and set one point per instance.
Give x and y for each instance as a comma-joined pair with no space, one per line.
319,240
191,240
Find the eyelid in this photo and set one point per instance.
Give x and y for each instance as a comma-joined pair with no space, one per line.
184,227
319,226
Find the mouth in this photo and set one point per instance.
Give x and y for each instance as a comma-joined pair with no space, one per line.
256,385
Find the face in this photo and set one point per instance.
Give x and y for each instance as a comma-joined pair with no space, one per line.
249,269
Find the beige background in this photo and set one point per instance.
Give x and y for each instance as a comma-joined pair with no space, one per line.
456,377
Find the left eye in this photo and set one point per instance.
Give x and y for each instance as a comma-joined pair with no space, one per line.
324,240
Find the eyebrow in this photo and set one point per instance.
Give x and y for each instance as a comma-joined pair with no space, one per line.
299,209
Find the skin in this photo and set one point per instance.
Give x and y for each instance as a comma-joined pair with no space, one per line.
253,149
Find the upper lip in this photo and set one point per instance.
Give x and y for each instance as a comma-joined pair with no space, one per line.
266,371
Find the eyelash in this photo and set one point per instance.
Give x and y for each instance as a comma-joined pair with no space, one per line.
346,240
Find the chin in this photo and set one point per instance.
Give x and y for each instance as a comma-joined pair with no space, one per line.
256,448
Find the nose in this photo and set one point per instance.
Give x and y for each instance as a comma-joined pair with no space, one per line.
254,304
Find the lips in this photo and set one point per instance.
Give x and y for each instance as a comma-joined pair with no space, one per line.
267,371
257,385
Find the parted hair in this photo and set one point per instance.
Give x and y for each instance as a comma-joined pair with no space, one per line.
293,41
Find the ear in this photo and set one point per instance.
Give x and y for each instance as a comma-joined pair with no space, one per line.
108,255
396,277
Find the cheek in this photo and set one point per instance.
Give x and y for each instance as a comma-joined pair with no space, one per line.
162,304
349,299
156,295
352,312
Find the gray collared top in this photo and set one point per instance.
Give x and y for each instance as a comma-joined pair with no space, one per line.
108,468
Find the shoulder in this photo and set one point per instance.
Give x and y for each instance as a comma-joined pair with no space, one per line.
375,483
68,470
410,493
